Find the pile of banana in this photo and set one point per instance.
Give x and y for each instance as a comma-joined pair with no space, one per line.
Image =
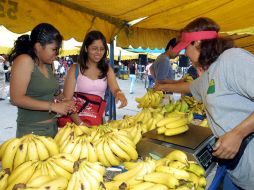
16,151
150,99
60,165
87,175
174,123
179,106
194,105
172,172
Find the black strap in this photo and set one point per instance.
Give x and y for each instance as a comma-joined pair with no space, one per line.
87,101
232,163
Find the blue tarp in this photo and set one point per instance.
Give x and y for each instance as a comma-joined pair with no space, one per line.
148,50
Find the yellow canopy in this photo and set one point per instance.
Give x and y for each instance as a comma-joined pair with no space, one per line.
163,18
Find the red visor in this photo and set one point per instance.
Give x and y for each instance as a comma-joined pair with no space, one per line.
188,37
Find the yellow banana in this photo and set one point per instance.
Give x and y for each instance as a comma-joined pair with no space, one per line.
96,174
196,169
129,149
39,181
158,187
22,178
64,163
176,131
167,120
117,150
50,144
69,147
20,156
94,182
110,156
101,154
92,156
178,123
32,152
141,186
161,130
59,183
177,173
59,170
62,135
77,150
176,164
129,174
9,154
3,147
41,149
4,174
74,182
162,178
97,166
178,156
202,182
84,180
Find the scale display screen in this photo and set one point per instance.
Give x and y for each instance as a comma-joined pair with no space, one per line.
205,156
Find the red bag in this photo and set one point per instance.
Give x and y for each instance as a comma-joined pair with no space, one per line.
90,109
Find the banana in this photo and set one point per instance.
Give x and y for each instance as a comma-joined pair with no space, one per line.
162,178
41,149
129,149
9,154
74,182
110,156
59,170
94,173
115,185
3,147
117,150
158,187
20,156
176,164
77,150
167,120
59,183
176,131
50,169
92,156
84,180
50,144
84,150
62,135
202,182
141,186
178,156
101,154
97,167
178,173
4,174
194,179
32,152
178,123
69,147
24,178
94,182
20,170
129,174
196,169
125,138
161,130
64,163
39,181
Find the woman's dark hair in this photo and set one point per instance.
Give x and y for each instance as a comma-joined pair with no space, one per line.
43,33
210,49
83,55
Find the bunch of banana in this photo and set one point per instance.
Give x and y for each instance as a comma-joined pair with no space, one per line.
148,186
44,182
30,147
187,78
79,147
4,174
86,175
68,129
114,147
135,132
173,124
135,175
58,165
150,99
194,105
178,106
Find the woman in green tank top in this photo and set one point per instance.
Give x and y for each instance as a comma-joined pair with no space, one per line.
33,84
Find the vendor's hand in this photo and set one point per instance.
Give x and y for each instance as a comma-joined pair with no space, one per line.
227,145
121,97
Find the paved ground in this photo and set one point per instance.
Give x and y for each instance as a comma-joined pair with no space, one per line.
8,112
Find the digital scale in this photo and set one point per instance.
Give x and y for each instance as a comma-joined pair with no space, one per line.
197,143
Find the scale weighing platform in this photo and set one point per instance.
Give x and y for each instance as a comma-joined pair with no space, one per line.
197,143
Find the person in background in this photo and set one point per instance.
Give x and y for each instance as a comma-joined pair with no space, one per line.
161,69
226,89
149,76
132,74
94,74
33,85
2,78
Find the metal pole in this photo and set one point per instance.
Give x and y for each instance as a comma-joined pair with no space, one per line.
112,109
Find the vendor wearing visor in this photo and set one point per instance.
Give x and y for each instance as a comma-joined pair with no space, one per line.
227,92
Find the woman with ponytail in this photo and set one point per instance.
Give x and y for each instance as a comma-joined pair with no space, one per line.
33,85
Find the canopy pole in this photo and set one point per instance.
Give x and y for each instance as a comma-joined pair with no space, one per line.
112,108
